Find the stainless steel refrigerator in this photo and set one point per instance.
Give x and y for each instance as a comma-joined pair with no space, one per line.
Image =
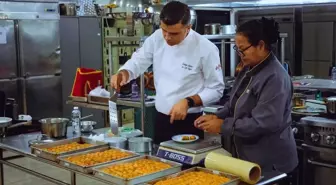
29,57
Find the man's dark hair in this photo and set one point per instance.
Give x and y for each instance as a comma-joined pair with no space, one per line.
175,12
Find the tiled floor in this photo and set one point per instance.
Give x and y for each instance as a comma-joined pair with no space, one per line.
17,177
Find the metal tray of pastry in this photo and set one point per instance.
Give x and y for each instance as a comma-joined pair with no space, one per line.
88,169
234,180
39,151
175,167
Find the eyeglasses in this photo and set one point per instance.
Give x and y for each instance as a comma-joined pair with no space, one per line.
241,51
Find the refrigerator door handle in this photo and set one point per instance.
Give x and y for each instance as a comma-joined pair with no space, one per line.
12,76
27,75
58,73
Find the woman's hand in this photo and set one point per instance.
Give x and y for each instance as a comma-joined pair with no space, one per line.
212,126
204,118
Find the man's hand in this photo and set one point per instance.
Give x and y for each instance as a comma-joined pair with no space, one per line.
119,79
204,118
179,111
212,126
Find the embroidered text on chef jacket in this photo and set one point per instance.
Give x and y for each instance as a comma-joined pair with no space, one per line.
189,68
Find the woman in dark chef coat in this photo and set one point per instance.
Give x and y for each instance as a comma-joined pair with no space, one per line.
258,115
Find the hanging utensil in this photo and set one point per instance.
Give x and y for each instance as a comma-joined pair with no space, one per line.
85,117
113,112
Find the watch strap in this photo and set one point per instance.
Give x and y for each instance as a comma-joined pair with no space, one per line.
191,102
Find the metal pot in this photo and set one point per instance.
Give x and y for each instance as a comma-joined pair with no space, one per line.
87,126
140,144
331,105
54,127
118,142
69,9
212,29
228,29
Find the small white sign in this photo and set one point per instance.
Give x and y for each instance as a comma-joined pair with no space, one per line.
3,35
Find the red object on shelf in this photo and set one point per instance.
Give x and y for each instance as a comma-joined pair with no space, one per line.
86,80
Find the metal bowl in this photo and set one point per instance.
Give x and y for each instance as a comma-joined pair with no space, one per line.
54,127
140,144
118,142
87,126
5,122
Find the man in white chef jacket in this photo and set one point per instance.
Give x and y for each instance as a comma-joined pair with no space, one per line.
187,72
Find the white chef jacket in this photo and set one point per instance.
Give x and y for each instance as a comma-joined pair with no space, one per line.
189,68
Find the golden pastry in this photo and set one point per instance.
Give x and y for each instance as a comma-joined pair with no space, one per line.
67,147
91,159
195,178
136,168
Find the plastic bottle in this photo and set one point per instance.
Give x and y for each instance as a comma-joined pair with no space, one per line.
333,74
75,118
135,89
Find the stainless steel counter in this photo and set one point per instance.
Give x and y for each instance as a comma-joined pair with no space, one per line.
321,84
19,145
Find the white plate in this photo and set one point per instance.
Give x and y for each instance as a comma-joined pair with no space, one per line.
178,138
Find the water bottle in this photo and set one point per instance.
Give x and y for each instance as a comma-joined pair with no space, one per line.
75,118
333,74
135,89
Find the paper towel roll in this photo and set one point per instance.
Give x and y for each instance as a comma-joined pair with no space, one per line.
247,171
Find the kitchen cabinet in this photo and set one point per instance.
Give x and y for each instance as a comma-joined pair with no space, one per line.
80,47
70,57
90,44
317,48
42,103
317,41
8,53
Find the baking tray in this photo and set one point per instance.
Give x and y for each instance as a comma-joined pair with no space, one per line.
37,149
98,100
88,169
234,180
176,167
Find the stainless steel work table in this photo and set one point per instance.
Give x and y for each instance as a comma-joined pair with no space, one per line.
19,145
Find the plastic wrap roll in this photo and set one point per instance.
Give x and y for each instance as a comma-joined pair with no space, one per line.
247,171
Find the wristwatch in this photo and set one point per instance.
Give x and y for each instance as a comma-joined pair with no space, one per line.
191,102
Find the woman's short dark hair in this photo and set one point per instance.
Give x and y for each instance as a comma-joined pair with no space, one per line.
175,12
264,29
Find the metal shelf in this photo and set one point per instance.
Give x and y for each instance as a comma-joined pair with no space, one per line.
216,37
106,108
224,41
112,38
231,36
